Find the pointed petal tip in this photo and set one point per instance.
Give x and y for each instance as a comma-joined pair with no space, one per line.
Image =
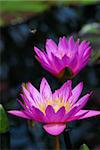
54,129
48,40
80,86
19,113
90,113
37,50
43,79
71,38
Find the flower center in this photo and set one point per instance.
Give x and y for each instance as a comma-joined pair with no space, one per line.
56,104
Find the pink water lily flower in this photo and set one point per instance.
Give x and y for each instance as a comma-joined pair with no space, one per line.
68,54
56,109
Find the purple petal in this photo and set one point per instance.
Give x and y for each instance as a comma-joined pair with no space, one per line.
65,61
90,113
70,114
50,69
54,129
27,94
74,117
87,52
35,95
82,101
64,92
49,114
56,63
47,66
27,110
62,45
37,114
40,54
45,90
60,114
76,46
53,63
76,93
51,46
82,48
52,116
19,114
71,43
73,65
27,102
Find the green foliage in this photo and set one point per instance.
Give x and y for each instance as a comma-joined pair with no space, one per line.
91,32
23,6
84,147
4,126
13,11
36,6
90,28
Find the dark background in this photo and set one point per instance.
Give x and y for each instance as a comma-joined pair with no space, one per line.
18,65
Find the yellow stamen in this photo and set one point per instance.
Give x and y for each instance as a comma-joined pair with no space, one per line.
56,104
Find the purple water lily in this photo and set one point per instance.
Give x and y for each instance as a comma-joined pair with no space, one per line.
56,109
68,54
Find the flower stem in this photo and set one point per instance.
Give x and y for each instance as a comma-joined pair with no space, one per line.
57,143
67,140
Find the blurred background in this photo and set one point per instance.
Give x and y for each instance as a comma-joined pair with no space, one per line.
25,24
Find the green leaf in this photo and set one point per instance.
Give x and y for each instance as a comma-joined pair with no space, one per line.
91,32
90,28
23,6
4,125
84,147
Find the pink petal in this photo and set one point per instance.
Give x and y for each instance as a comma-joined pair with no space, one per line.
19,114
27,94
62,45
56,63
27,102
83,100
40,54
90,113
74,111
49,114
52,116
64,92
50,69
71,43
82,48
27,110
34,93
65,61
76,46
81,103
47,66
76,93
45,90
54,129
87,52
74,117
70,114
50,46
73,65
37,114
53,63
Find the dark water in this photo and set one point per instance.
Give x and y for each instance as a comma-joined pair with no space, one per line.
18,65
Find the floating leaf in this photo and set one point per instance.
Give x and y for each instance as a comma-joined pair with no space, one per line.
91,32
84,147
4,125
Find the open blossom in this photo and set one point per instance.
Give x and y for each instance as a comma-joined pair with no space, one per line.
54,110
68,54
